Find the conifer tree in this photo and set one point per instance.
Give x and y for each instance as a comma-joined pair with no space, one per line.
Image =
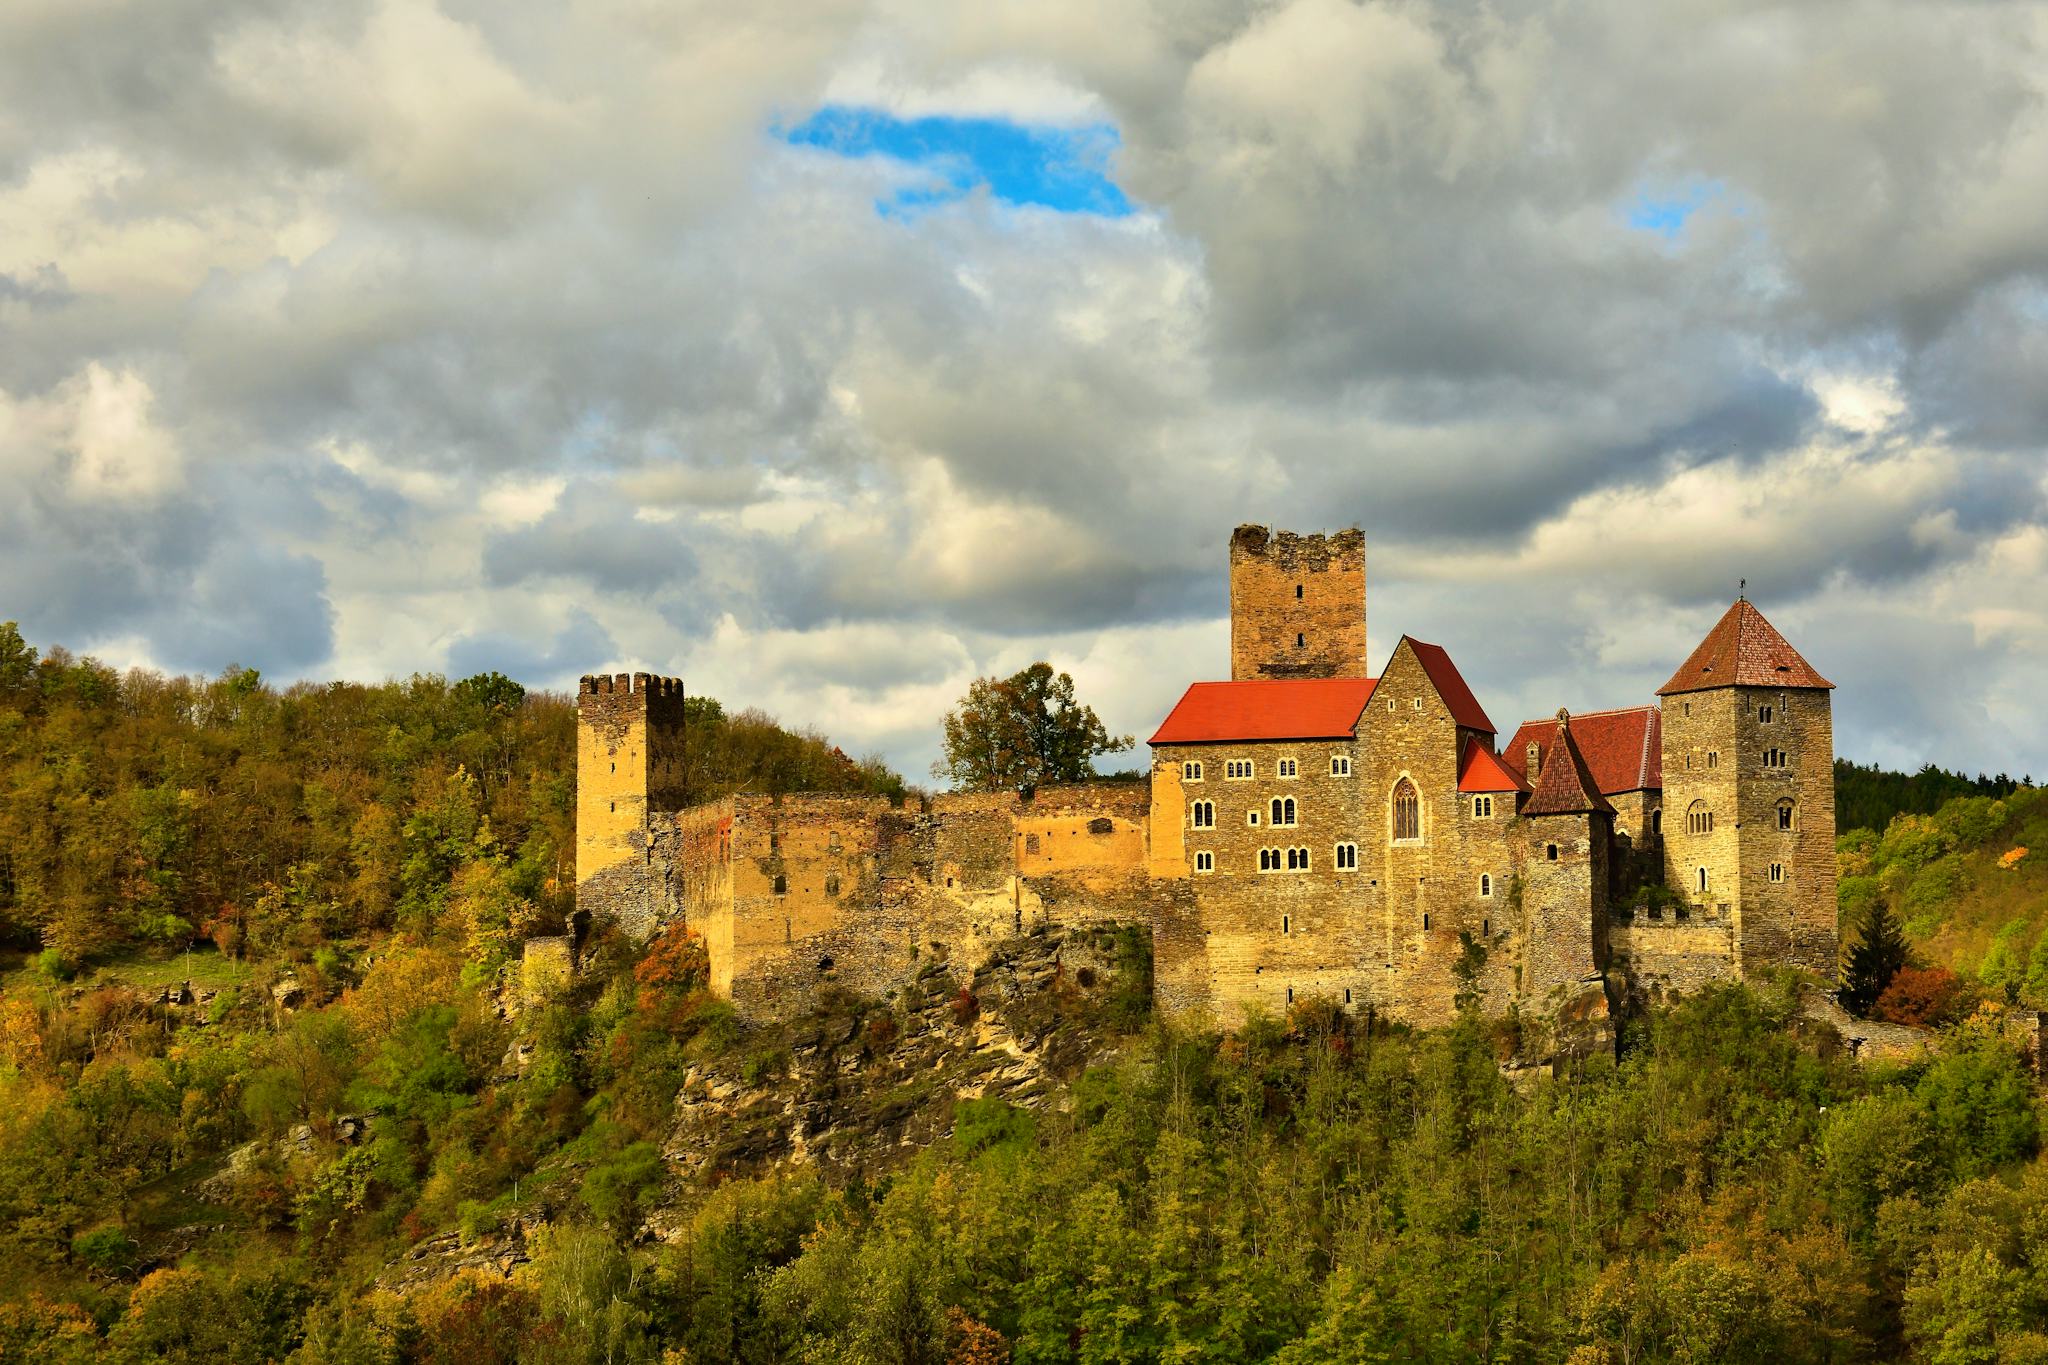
1876,958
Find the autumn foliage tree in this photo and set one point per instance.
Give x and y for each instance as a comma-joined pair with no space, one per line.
1021,732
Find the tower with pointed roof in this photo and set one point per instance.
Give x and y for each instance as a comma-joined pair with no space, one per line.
1568,826
1749,794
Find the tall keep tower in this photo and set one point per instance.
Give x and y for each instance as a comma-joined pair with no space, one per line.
1749,793
1297,604
629,766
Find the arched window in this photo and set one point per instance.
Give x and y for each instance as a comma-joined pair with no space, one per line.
1265,860
1293,860
1657,820
1485,884
1204,815
1407,812
1699,819
1703,881
1785,819
1288,809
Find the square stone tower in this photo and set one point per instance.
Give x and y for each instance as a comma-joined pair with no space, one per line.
1297,604
1749,794
629,767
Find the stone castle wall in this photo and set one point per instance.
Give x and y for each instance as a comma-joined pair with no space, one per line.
1297,604
629,769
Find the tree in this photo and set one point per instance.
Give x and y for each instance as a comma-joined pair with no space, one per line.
1021,732
490,692
1876,958
17,659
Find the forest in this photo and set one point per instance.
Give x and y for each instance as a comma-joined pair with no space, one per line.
259,1101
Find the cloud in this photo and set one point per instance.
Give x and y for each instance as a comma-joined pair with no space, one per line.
392,335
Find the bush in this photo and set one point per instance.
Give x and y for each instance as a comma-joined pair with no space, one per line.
614,1191
108,1250
52,963
988,1123
1924,997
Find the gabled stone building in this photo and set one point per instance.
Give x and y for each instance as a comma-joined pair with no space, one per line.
1307,829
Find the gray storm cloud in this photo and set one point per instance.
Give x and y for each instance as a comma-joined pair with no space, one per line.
371,337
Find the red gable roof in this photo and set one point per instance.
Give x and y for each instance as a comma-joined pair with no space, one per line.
1286,708
1450,685
1565,787
1623,749
1743,650
1480,770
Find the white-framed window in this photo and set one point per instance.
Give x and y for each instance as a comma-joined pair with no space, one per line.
1205,861
1786,818
1297,860
1774,758
1266,859
1482,806
1283,860
1777,872
1202,815
1287,768
1418,703
1238,770
1345,857
1485,886
1281,814
1251,817
1340,765
1191,772
1390,703
1699,819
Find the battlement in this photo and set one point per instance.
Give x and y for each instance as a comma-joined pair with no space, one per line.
1291,549
644,683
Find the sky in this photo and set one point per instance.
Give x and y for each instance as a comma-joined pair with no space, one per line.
830,355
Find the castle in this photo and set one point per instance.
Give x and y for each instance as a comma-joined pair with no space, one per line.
1308,829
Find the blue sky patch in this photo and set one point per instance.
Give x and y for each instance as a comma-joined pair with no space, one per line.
1665,210
1057,168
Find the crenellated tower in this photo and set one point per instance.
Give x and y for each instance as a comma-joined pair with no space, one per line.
1749,794
629,767
1297,604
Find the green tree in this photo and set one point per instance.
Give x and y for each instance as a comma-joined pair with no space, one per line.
1023,731
17,659
1879,953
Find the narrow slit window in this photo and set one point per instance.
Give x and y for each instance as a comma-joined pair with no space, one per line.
1550,852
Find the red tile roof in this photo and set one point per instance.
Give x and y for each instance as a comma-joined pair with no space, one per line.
1624,749
1565,787
1287,708
1480,770
1450,685
1743,650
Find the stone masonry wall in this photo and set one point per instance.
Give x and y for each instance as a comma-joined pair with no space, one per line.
1664,957
1700,769
1791,920
1564,907
1297,604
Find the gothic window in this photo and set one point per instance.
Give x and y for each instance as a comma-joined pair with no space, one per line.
1485,885
1785,815
1482,806
1282,813
1204,815
1293,863
1205,861
1407,812
1265,860
1346,857
1777,872
1340,765
1698,819
1191,772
